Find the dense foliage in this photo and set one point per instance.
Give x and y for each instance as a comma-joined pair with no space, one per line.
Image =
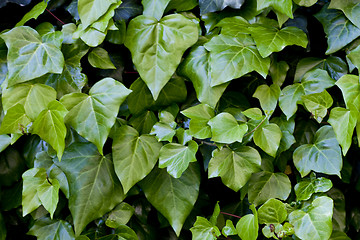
173,119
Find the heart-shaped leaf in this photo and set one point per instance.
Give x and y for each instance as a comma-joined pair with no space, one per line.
324,155
350,8
48,194
154,8
247,227
318,104
32,179
15,121
99,58
268,137
200,116
268,97
204,230
91,10
272,211
307,187
155,57
283,7
45,228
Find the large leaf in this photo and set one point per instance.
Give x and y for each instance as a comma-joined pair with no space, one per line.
272,211
46,229
207,6
265,185
247,227
30,56
91,10
339,30
225,128
283,7
94,187
324,155
120,215
317,218
350,8
204,230
196,67
154,8
268,137
232,57
343,122
34,97
173,197
176,157
268,97
93,115
270,39
134,156
157,47
234,167
50,126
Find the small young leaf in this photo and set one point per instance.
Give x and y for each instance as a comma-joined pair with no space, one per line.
248,227
272,211
318,104
15,121
268,138
200,116
99,58
268,97
204,230
120,215
91,10
48,194
36,11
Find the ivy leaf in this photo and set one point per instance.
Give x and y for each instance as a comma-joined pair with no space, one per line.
324,155
234,167
207,6
127,10
196,67
272,211
154,8
204,230
134,156
91,10
307,187
305,3
317,104
290,97
177,157
45,228
284,7
229,229
124,232
225,128
271,39
15,120
87,172
34,13
278,71
144,122
32,179
265,185
98,110
199,115
174,198
34,97
339,30
120,215
318,218
155,57
181,6
343,122
99,58
48,194
247,227
268,97
26,48
232,57
5,141
350,88
351,10
50,126
268,137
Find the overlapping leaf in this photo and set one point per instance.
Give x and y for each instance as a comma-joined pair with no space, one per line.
157,47
248,227
91,10
268,137
272,211
44,229
15,121
350,8
283,7
207,6
268,97
99,58
307,187
154,8
318,104
199,115
204,230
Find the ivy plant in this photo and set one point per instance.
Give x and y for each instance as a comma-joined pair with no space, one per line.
171,119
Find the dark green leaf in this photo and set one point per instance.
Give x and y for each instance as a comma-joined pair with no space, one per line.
144,122
207,6
125,233
127,10
350,8
120,215
99,58
180,5
278,71
46,229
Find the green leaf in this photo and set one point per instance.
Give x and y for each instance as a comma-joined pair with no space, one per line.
48,194
316,81
204,230
50,126
318,104
90,36
350,8
46,229
15,121
324,155
26,48
284,7
247,227
207,6
199,115
268,97
272,211
34,97
343,122
354,57
134,156
157,47
278,71
5,141
229,229
307,187
98,110
176,157
290,97
144,122
339,30
305,3
174,198
99,58
271,39
225,128
180,5
127,10
253,113
94,187
234,167
91,10
196,67
350,88
214,217
32,179
154,8
120,215
232,57
268,137
337,235
265,185
317,218
34,13
123,232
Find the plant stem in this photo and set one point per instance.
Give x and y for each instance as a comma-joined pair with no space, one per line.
229,214
204,142
55,16
262,121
